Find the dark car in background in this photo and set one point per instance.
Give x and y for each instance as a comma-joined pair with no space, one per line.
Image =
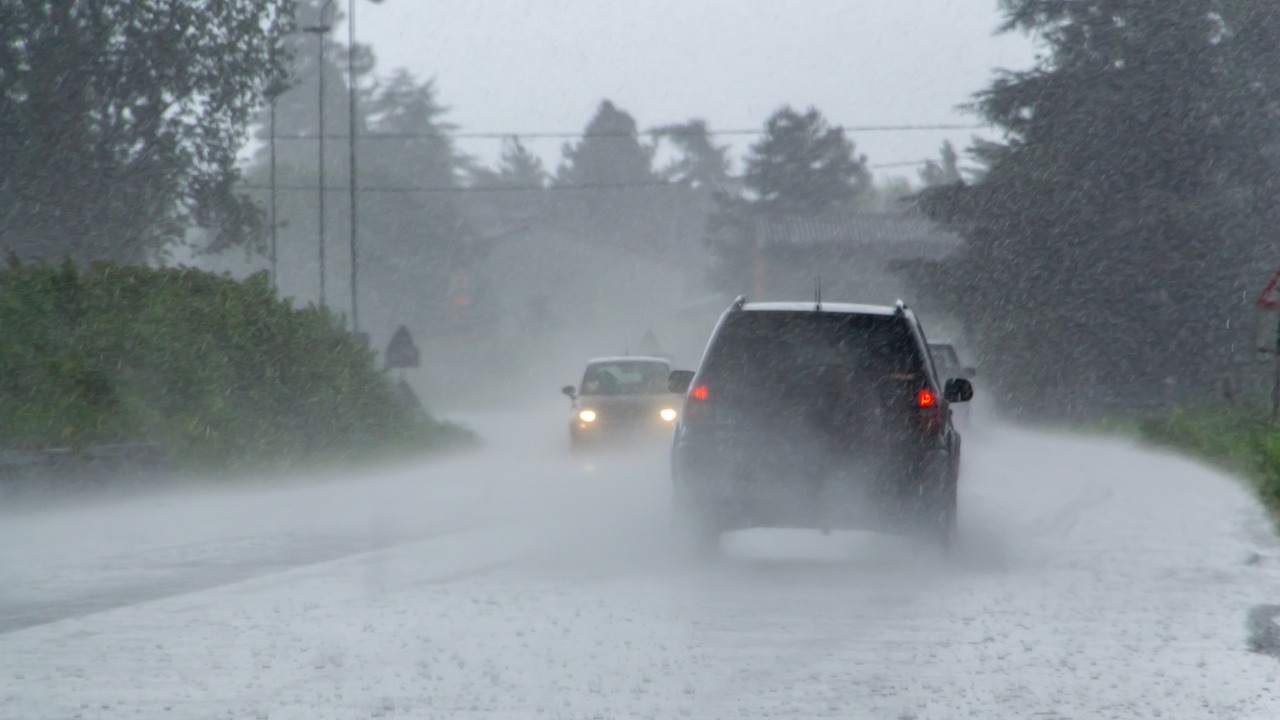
621,400
947,361
817,415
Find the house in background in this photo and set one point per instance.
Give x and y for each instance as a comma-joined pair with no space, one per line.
853,254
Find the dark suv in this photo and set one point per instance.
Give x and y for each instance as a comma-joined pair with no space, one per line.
818,415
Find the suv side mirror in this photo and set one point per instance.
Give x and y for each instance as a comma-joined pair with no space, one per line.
679,381
958,390
570,392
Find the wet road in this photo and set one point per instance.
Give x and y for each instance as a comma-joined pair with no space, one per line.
1092,579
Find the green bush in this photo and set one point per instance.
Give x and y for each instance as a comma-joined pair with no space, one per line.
1240,439
220,372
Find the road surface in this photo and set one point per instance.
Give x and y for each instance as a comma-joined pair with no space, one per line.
1094,579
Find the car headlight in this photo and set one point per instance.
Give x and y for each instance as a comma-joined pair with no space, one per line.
587,416
667,414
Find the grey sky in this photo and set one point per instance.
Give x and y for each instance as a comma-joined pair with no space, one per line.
530,65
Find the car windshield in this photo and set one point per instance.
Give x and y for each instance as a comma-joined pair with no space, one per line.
625,378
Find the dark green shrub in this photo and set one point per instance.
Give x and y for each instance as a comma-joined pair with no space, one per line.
218,371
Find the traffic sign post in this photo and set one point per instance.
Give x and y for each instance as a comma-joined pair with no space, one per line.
401,351
1275,387
1269,301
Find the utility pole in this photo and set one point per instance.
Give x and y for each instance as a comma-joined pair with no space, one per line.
321,31
274,257
351,167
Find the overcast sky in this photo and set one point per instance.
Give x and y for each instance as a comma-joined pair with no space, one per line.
544,65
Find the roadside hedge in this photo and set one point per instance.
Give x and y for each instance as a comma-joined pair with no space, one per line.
219,372
1242,440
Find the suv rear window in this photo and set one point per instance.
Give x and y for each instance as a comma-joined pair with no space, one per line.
772,356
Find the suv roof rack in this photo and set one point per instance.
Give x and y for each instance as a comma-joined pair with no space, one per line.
899,307
739,301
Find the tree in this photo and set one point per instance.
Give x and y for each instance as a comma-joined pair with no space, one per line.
1112,237
297,126
419,240
801,168
414,241
802,165
517,168
610,152
945,170
701,163
424,152
608,190
120,123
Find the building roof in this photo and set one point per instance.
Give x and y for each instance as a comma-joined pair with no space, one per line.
628,358
899,234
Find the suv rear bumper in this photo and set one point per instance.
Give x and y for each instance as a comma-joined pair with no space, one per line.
883,489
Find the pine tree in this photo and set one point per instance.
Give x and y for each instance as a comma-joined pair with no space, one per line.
802,165
610,152
943,171
1110,240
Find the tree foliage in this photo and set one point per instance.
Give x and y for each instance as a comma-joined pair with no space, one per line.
609,153
517,168
802,165
120,122
700,162
419,243
801,168
1117,232
943,171
413,239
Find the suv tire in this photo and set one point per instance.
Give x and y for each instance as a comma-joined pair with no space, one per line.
938,506
697,528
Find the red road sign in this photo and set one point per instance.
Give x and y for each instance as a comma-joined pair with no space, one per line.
1270,297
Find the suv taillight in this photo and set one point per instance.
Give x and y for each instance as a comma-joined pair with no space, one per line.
695,404
928,413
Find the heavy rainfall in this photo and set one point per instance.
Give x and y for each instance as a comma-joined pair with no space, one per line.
896,359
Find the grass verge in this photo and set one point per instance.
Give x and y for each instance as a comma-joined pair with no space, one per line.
1241,440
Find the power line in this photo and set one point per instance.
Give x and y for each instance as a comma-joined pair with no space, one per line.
474,188
517,188
900,164
570,135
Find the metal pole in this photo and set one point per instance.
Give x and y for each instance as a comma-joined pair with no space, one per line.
320,95
351,168
274,258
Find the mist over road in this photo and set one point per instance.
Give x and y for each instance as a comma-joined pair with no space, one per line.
1093,579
